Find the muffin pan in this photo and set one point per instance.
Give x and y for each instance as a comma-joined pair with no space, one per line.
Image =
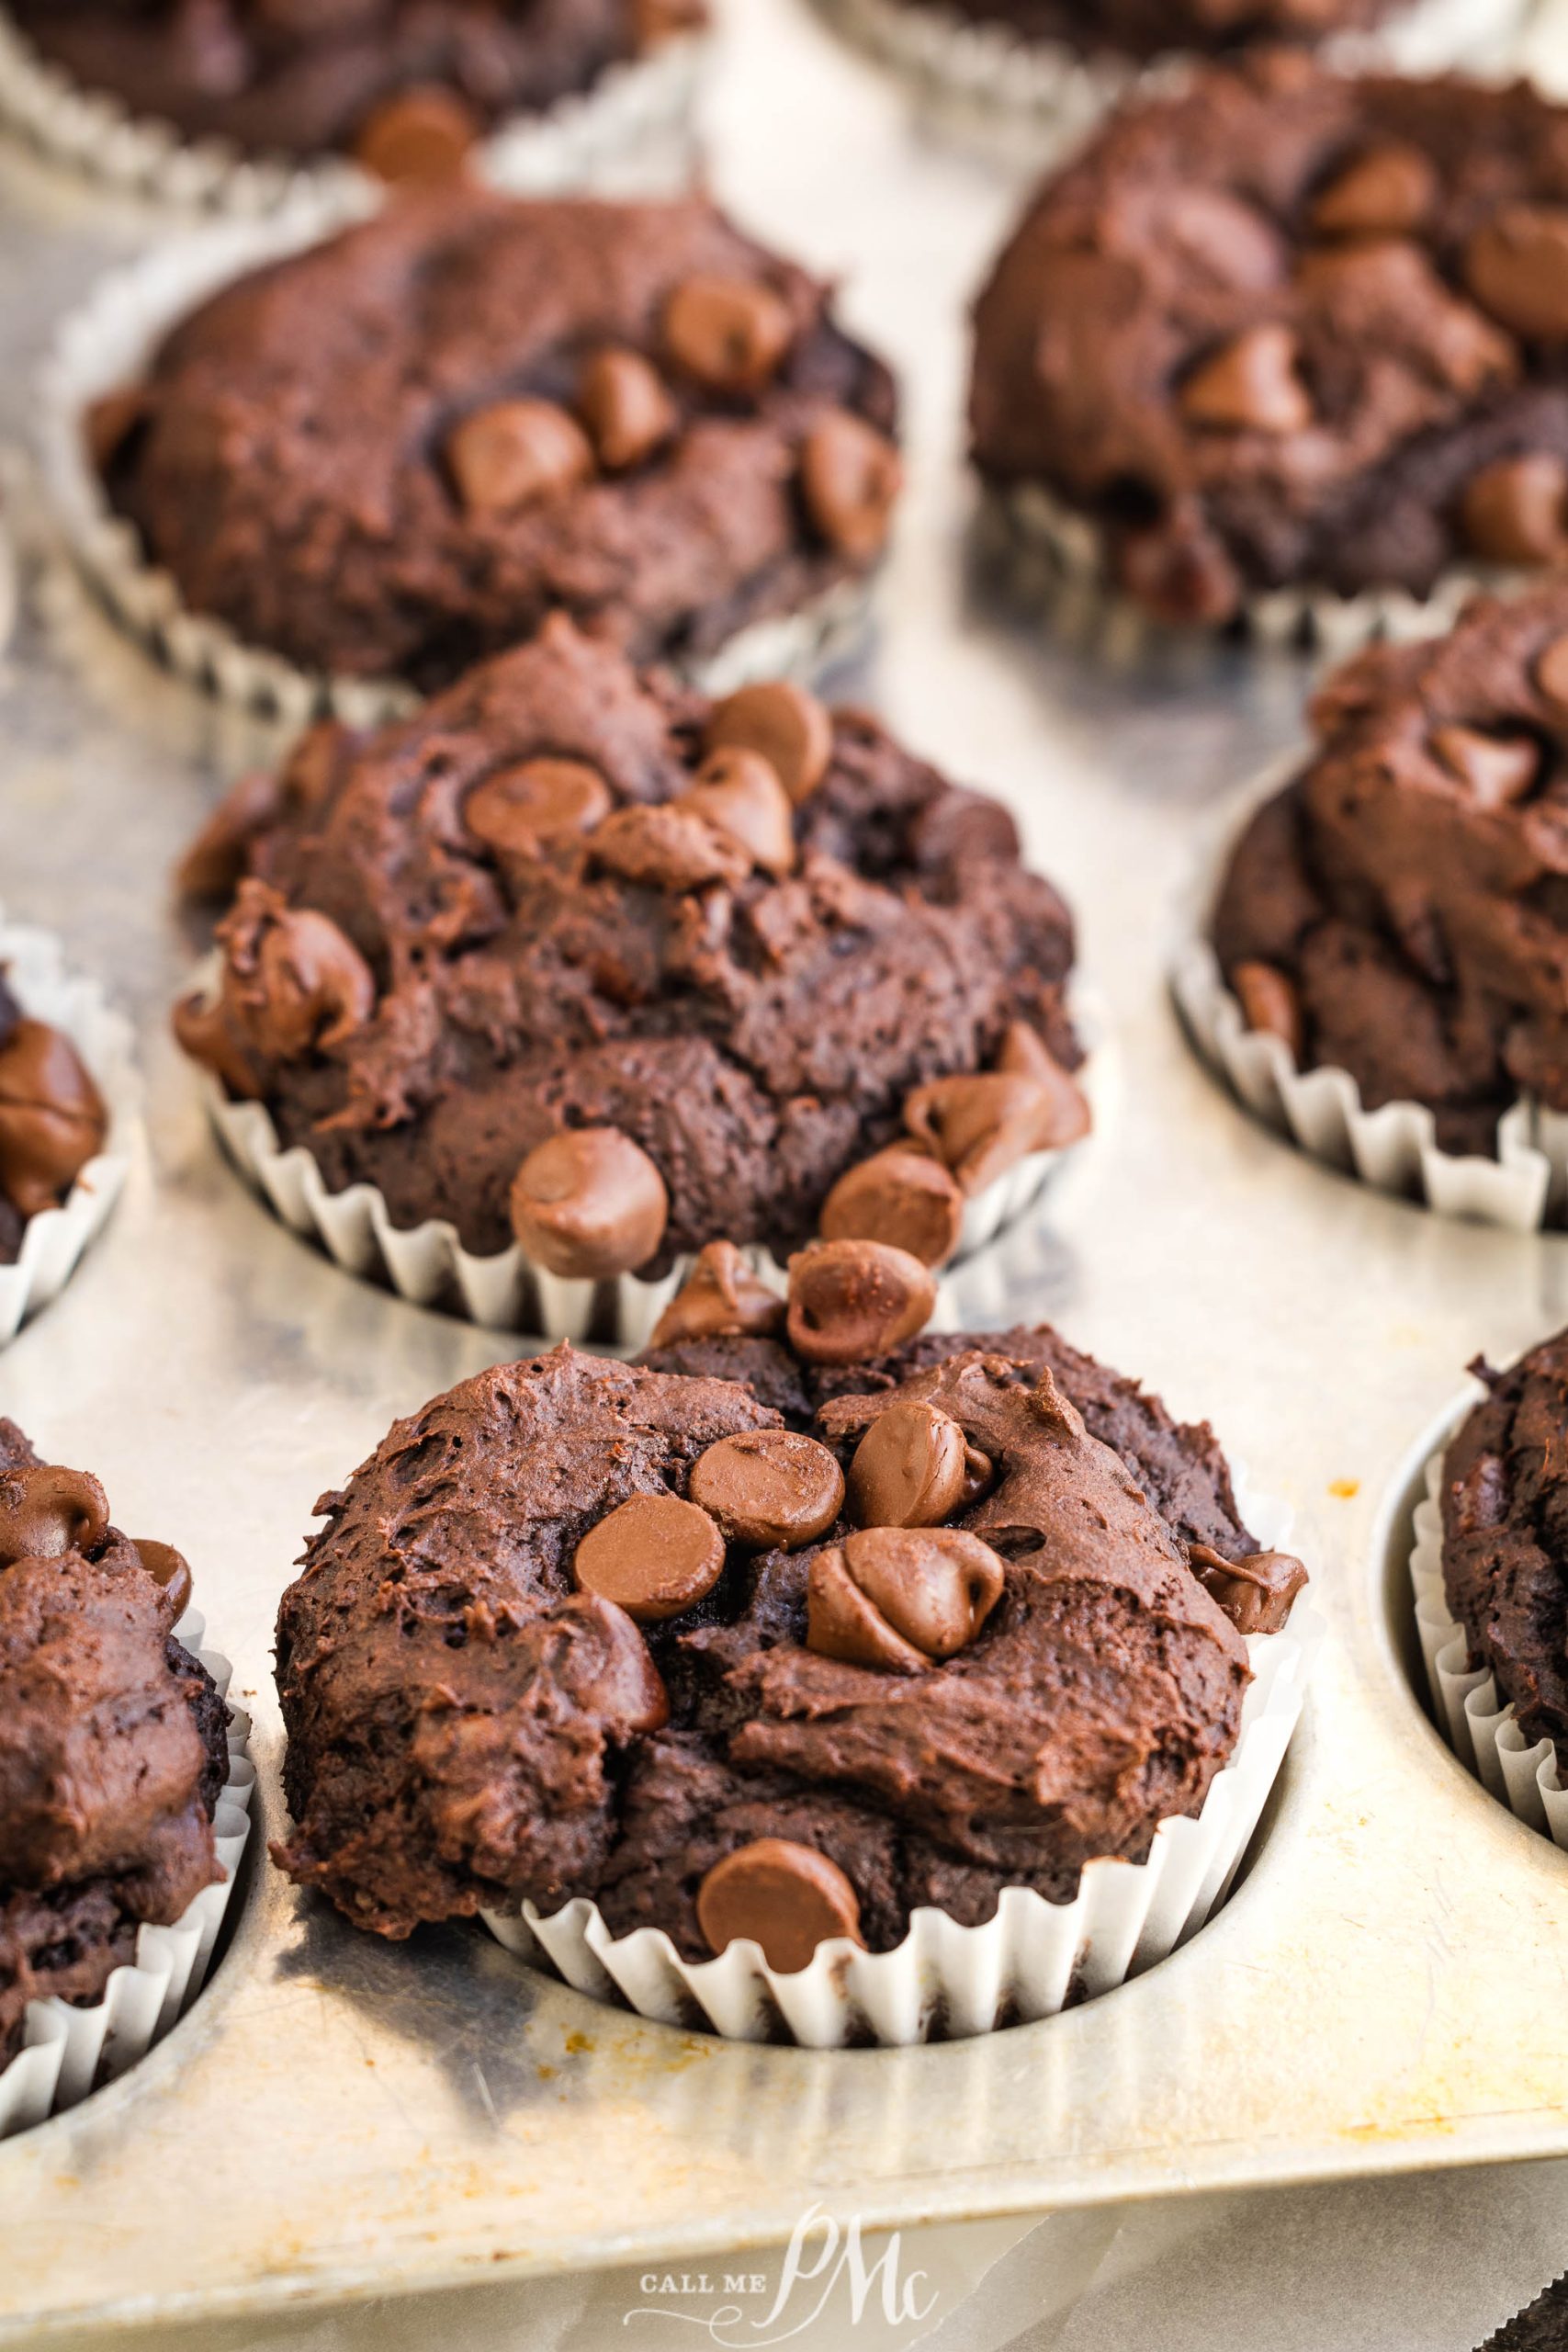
350,2118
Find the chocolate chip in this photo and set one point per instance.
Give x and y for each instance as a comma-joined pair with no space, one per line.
1256,1593
1025,1054
1271,1002
783,1897
729,333
769,1489
654,1557
52,1116
293,984
1499,770
506,458
1388,191
1551,673
1250,386
849,478
424,133
1516,511
909,1469
850,1301
900,1196
1224,238
519,811
1517,263
985,1123
668,848
738,793
46,1512
624,401
589,1204
720,1298
170,1571
788,727
901,1599
213,866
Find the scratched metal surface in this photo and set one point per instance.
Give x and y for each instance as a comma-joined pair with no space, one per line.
338,2115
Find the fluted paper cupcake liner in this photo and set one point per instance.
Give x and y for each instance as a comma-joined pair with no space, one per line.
1058,558
52,1242
972,79
69,2052
109,343
1482,1730
946,1982
506,1291
582,141
1395,1148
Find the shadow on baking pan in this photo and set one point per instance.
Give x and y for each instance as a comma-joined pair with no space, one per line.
1541,2327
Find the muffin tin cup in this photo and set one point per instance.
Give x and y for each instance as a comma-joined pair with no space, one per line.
69,2052
108,342
1395,1148
428,1265
1055,558
53,1242
970,78
596,138
946,1982
1478,1725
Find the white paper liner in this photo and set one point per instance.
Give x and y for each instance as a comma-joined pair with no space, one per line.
108,342
972,77
507,1291
949,1981
69,2051
1057,557
579,143
1482,1732
1395,1149
52,1242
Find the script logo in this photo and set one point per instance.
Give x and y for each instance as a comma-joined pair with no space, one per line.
821,2261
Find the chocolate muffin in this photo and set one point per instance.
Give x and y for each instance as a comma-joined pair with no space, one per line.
53,1120
780,1632
1505,1536
578,957
406,86
113,1743
1141,29
1287,329
1401,909
398,450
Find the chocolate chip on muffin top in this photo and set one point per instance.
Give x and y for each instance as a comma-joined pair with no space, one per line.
398,450
53,1120
405,85
112,1739
1291,328
781,1648
1401,909
580,957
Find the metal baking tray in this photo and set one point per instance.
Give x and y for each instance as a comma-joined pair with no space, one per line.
338,2116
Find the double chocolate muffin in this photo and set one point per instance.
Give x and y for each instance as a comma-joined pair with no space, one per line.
1141,29
406,86
398,450
1289,329
1401,909
113,1744
53,1120
1505,1516
794,1626
578,957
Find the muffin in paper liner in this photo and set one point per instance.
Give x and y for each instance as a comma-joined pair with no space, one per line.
595,136
428,1265
53,1241
972,79
108,341
69,2051
1482,1732
947,1982
1053,556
